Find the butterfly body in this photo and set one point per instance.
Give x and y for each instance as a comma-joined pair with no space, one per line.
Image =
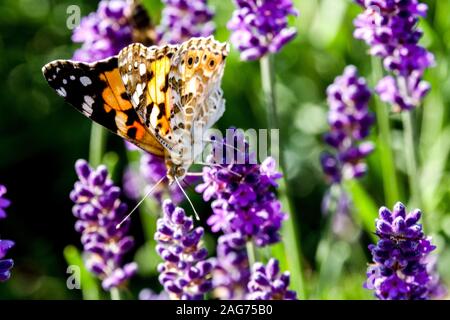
163,99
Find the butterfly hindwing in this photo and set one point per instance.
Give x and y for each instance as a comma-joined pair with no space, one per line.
174,86
97,91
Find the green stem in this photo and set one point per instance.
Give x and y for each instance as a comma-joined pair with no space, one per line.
251,253
290,233
115,294
326,243
97,145
390,184
411,158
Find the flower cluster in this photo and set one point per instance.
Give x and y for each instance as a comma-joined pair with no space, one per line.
231,268
5,264
350,121
260,27
148,294
151,169
99,209
183,19
399,271
185,274
389,27
267,283
241,189
103,33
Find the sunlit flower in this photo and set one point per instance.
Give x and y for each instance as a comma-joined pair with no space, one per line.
185,273
389,27
99,210
400,257
261,26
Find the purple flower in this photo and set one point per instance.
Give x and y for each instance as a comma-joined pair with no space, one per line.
350,121
151,170
184,274
103,33
389,27
243,201
267,283
260,27
5,264
231,268
4,203
400,257
99,209
184,19
148,294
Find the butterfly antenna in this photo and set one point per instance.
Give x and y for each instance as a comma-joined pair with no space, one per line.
187,197
140,202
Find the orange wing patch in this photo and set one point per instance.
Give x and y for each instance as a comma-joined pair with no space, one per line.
97,91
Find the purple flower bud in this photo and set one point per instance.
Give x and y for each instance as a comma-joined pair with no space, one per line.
400,257
183,19
98,210
266,283
259,27
103,33
184,273
350,122
243,201
5,245
390,29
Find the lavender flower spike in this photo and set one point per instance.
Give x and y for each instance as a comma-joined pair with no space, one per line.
185,274
5,264
99,210
350,121
389,27
244,203
184,19
267,283
260,27
400,257
231,268
103,33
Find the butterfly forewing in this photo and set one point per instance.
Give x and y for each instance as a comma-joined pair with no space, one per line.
97,91
144,72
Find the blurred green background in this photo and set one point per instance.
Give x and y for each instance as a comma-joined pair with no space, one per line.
41,138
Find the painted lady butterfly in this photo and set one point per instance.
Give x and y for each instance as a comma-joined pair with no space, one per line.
162,99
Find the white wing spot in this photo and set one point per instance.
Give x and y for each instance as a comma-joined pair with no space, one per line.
72,77
64,81
85,81
61,91
142,69
89,100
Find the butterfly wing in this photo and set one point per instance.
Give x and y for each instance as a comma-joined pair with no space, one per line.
197,72
170,87
97,91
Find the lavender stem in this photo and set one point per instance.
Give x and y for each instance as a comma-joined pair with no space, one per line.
115,294
97,145
384,136
411,157
251,253
291,237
